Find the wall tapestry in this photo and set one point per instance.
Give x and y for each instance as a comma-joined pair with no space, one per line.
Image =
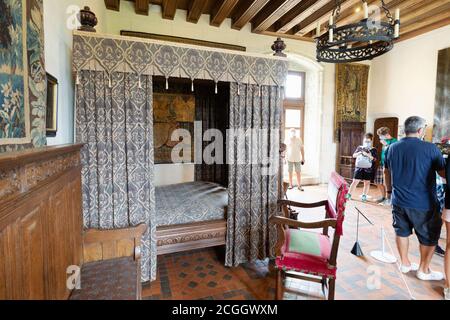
441,128
22,75
171,112
351,94
150,57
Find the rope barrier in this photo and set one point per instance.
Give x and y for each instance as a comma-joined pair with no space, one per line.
398,264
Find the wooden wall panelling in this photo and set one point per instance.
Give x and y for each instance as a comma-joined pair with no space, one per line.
31,254
61,247
40,222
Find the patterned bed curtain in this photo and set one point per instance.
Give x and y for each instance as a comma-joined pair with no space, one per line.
253,172
212,111
114,117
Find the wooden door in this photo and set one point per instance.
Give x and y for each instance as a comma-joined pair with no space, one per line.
391,123
350,137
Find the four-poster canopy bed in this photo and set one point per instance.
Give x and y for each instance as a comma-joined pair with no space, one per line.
114,117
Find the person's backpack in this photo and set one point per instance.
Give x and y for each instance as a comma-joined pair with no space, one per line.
363,162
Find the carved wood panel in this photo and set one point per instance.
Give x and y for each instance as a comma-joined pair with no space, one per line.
40,223
31,254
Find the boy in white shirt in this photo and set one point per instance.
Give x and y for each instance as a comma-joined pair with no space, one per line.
295,158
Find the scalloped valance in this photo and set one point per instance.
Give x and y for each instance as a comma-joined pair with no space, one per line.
149,57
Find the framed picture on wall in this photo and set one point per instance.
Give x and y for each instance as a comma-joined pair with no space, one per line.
52,106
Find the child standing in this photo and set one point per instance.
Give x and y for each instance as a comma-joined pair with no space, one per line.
366,156
386,140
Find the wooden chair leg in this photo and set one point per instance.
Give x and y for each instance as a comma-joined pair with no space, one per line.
331,288
279,285
324,286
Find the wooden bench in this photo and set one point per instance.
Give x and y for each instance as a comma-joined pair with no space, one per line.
111,268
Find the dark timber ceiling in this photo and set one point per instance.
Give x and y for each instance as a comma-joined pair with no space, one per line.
296,19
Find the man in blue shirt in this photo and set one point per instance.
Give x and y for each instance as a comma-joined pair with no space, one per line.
413,164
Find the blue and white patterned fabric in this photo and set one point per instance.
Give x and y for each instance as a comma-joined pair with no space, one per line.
114,120
190,202
148,57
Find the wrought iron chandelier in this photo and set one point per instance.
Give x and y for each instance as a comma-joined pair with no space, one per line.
364,40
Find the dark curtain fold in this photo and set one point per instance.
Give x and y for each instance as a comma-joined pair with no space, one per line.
255,116
212,110
114,117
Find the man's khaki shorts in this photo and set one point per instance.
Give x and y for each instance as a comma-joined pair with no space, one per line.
296,165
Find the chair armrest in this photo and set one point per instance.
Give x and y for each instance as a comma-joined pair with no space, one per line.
306,225
302,205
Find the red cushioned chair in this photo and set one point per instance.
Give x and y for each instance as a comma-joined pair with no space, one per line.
311,253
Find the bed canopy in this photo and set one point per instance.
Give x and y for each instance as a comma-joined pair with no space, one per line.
157,58
114,93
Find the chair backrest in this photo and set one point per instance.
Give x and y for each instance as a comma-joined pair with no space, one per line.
337,191
99,245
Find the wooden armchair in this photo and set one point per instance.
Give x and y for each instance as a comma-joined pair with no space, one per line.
312,254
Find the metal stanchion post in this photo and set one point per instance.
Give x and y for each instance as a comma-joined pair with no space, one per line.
382,255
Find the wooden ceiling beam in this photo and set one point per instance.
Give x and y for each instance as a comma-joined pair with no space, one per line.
221,11
354,14
322,15
246,11
195,10
112,5
421,8
301,11
425,29
428,18
412,11
142,6
297,19
424,20
351,15
169,7
273,11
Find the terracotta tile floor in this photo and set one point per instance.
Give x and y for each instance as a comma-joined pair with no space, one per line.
201,274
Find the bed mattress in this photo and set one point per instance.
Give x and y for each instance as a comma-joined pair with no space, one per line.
189,203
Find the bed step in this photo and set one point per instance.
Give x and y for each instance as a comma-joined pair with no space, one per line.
191,236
